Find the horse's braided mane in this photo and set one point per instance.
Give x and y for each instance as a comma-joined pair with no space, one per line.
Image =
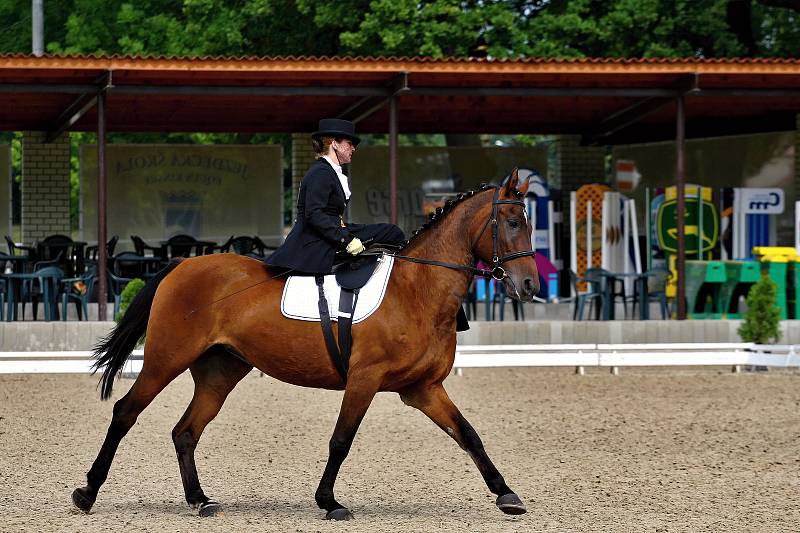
441,212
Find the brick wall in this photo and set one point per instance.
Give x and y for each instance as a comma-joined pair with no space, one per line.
302,157
45,186
574,165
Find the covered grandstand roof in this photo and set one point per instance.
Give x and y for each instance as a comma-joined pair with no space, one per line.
605,100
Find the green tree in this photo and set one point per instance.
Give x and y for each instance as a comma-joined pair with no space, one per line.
762,318
435,28
128,294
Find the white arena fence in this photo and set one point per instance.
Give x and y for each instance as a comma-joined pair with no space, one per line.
579,356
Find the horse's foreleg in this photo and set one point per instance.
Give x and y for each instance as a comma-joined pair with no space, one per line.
357,397
215,374
436,404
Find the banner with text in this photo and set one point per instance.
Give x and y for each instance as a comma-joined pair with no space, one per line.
427,175
213,192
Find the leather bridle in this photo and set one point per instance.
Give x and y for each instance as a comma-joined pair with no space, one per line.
497,271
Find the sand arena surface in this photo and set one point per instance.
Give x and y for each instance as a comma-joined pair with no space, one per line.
649,450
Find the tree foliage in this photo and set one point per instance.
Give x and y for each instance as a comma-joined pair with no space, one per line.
433,28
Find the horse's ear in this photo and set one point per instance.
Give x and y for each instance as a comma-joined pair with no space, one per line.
513,180
524,187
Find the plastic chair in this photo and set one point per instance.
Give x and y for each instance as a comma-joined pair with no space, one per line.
181,246
38,265
69,292
594,293
127,265
43,287
30,251
91,251
117,284
656,290
58,247
222,248
141,247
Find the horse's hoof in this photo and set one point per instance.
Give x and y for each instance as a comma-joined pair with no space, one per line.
339,514
511,504
210,508
82,499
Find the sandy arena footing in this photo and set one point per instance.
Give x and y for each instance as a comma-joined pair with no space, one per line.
649,450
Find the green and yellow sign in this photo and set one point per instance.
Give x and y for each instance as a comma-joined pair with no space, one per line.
697,210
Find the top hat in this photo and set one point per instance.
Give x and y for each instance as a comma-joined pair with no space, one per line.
336,127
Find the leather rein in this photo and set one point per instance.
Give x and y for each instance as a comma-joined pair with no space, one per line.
497,271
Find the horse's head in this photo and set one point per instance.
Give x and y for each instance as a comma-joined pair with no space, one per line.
504,240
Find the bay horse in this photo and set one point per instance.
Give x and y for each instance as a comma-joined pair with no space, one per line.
219,316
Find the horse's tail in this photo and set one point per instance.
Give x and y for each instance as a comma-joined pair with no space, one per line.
113,350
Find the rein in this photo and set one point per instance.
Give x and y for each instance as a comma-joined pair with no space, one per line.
497,271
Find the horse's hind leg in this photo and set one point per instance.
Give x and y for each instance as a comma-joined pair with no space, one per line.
433,400
215,375
150,382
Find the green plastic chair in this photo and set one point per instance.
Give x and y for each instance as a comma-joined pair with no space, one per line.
594,294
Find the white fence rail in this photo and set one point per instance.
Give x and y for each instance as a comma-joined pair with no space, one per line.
59,362
617,355
507,355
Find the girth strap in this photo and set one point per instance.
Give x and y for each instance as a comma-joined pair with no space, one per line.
347,306
327,330
340,354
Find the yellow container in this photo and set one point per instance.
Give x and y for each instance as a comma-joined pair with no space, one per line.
775,254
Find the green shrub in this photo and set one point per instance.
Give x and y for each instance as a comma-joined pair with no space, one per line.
762,318
128,294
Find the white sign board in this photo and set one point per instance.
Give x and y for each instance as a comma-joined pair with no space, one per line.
762,201
208,191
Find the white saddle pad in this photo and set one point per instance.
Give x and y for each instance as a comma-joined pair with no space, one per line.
300,298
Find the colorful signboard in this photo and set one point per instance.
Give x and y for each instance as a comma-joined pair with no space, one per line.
697,228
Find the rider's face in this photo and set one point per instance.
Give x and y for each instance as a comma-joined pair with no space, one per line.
343,149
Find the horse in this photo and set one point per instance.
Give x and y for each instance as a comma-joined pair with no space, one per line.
219,317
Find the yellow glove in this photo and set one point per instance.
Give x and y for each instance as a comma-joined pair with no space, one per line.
355,247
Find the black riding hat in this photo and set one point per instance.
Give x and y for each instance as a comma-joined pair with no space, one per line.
335,127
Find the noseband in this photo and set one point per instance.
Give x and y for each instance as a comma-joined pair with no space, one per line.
497,271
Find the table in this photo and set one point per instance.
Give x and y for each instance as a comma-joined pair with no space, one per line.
641,288
15,282
150,264
17,262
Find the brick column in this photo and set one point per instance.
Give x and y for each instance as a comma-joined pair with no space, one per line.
302,157
574,165
45,186
570,166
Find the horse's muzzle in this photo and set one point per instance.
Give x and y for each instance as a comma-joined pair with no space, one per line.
530,288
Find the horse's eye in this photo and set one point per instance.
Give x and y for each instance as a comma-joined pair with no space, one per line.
514,223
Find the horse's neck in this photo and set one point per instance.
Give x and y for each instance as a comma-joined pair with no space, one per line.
448,242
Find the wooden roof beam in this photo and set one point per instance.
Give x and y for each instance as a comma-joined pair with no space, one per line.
79,107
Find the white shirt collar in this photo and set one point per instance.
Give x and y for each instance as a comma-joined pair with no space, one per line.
340,174
337,168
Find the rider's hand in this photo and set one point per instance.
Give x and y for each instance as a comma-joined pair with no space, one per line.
355,247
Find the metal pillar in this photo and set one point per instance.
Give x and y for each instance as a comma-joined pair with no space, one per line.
680,179
102,282
37,28
393,160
